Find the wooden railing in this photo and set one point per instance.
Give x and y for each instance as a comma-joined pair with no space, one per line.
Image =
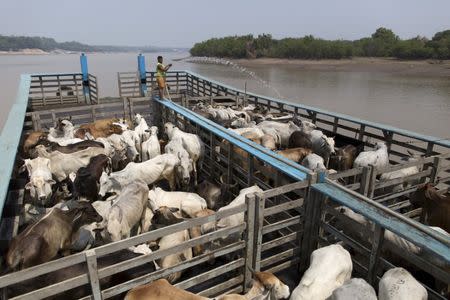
49,90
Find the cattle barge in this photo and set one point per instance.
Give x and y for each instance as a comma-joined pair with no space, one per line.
297,211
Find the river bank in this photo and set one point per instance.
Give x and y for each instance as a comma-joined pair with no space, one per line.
432,68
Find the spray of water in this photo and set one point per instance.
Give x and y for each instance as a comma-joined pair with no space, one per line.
235,66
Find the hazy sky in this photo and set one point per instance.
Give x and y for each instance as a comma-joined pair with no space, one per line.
183,22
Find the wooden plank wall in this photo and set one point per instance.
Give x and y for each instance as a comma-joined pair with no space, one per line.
128,84
118,108
56,89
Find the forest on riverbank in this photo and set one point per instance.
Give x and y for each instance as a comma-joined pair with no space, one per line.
382,43
17,43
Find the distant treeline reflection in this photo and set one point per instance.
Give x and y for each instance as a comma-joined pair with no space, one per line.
383,43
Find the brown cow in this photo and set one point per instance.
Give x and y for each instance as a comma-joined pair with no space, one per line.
32,140
41,241
344,158
295,154
435,207
265,285
198,231
99,128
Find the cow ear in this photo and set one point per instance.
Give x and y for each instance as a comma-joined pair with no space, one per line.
28,186
173,209
51,181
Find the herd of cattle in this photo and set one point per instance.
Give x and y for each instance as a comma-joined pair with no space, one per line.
89,185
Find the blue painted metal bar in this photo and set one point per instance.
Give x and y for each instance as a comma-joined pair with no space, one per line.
9,138
85,74
404,132
142,74
418,237
84,66
280,163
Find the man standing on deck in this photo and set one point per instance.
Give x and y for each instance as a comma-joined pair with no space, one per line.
161,75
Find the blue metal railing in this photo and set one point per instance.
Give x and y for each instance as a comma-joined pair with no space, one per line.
10,136
404,132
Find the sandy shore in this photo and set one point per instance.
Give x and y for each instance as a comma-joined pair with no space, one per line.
360,64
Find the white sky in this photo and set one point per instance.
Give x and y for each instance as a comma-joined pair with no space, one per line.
181,23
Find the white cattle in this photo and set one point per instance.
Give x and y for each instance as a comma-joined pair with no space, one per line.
141,125
399,284
329,268
110,151
191,142
242,123
68,134
63,164
170,241
188,203
378,158
150,171
354,289
390,238
128,211
186,163
405,172
151,147
236,219
321,144
40,184
121,150
133,142
283,130
306,126
254,131
314,162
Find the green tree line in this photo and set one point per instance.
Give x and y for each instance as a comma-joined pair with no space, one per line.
15,43
383,43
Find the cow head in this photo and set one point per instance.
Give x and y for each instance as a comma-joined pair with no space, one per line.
380,145
329,144
40,189
106,184
168,129
137,119
165,216
184,168
307,126
154,130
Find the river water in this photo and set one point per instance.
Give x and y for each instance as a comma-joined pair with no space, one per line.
416,103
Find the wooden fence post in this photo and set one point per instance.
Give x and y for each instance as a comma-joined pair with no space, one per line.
373,181
91,260
435,169
313,208
378,237
365,180
260,201
249,240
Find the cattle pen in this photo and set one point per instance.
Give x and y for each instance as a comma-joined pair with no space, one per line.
294,215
